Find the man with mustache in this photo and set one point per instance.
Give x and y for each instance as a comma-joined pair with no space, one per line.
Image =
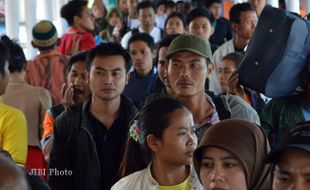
90,138
73,92
188,68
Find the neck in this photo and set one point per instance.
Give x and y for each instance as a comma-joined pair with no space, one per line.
79,28
167,174
198,105
240,42
147,30
105,111
17,75
144,73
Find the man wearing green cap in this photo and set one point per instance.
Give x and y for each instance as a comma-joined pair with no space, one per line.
188,61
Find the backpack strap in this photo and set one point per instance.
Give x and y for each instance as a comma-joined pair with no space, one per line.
220,108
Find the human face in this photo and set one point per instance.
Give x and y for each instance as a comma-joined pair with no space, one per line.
78,76
175,26
122,6
293,171
162,66
224,72
221,170
114,19
179,140
132,5
187,73
247,25
4,78
147,19
108,77
141,56
201,26
85,22
216,10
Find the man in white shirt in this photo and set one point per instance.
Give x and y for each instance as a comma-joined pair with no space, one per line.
146,15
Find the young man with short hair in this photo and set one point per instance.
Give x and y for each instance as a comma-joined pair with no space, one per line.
90,138
292,159
222,28
143,79
79,36
243,21
146,14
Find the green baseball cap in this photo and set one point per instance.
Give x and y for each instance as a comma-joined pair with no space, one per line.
191,43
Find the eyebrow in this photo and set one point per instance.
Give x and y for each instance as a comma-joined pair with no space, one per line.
103,69
283,171
223,158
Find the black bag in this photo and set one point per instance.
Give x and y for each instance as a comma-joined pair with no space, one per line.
277,54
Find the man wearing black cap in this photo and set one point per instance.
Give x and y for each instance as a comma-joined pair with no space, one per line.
292,160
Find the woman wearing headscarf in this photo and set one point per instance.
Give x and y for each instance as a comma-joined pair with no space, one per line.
231,156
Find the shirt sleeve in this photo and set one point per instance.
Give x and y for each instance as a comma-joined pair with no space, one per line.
15,137
87,42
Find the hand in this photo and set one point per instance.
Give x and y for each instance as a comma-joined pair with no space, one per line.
47,147
234,87
67,93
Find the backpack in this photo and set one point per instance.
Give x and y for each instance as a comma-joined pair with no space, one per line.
277,54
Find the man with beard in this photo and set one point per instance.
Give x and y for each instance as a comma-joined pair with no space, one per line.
74,92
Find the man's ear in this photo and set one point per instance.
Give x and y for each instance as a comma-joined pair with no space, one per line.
127,77
154,53
76,19
153,143
211,68
234,27
212,31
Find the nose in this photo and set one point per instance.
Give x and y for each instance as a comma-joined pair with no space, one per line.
108,79
217,174
185,72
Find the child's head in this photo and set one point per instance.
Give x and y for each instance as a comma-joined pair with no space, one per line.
44,35
162,131
226,68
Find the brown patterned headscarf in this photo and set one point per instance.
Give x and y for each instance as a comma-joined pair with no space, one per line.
244,140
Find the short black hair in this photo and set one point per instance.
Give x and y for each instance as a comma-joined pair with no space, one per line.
71,9
145,37
4,56
234,57
199,12
170,4
144,5
75,58
237,9
165,42
175,14
17,57
208,3
108,49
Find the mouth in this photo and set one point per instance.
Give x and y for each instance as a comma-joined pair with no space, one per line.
184,83
217,188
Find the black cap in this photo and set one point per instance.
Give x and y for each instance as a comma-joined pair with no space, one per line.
297,137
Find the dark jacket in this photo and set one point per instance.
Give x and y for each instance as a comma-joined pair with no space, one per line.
74,151
222,33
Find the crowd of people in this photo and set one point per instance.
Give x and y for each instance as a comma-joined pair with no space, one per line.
146,96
